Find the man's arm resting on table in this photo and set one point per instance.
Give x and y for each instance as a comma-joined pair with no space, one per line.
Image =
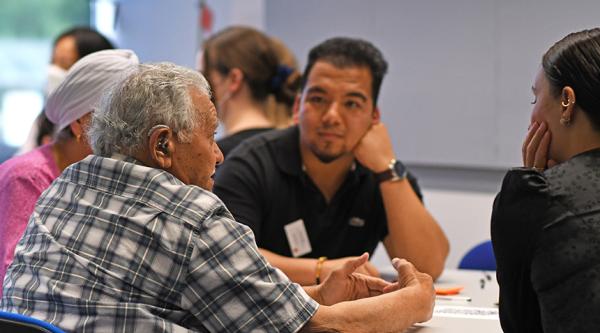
413,234
386,313
406,302
303,270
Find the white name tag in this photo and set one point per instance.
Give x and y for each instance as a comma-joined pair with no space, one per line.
297,238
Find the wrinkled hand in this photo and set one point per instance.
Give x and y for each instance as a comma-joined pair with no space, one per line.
344,284
330,265
421,283
375,150
536,146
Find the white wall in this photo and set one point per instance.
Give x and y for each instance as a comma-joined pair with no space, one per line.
159,30
458,88
243,12
165,30
464,216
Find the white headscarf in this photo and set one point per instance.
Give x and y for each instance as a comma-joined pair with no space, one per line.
56,76
85,83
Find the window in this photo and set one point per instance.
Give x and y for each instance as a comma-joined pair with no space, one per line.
27,30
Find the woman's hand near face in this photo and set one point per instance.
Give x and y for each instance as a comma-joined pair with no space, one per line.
536,146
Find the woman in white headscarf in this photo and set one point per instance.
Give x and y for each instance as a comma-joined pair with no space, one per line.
68,47
24,178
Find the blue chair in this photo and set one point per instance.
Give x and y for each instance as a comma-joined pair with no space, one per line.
18,323
480,257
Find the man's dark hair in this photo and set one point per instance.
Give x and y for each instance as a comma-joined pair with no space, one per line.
343,52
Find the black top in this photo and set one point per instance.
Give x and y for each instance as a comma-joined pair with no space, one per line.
264,186
228,143
546,237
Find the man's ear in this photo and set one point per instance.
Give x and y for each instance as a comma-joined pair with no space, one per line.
296,109
376,115
161,147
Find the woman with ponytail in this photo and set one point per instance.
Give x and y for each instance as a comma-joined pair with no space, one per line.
254,79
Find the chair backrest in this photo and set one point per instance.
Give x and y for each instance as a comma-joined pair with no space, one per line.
480,257
18,323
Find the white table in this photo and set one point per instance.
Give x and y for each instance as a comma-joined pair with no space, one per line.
477,315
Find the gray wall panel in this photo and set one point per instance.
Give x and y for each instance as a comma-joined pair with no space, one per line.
458,90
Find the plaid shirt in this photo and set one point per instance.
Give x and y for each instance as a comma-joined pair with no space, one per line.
115,246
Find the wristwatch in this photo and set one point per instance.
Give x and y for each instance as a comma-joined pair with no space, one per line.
396,171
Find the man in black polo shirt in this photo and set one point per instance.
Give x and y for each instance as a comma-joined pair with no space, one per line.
330,187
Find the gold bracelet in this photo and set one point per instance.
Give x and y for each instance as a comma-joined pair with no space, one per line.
319,267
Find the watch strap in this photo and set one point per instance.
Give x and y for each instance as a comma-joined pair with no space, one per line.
396,171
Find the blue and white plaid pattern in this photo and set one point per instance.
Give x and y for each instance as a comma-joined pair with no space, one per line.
113,246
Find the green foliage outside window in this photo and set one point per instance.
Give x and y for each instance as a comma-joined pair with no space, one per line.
27,30
41,19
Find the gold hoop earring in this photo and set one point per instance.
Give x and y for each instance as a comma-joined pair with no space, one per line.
565,105
565,121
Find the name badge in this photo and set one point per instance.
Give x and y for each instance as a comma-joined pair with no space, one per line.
297,238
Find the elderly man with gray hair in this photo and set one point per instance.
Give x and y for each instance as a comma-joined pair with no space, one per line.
132,239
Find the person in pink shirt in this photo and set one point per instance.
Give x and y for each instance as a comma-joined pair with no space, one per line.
25,177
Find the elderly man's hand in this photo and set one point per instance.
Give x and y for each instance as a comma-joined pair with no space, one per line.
344,284
409,277
367,268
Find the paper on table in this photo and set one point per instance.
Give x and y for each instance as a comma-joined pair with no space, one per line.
465,312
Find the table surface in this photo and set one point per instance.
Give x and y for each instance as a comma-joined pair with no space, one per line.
480,314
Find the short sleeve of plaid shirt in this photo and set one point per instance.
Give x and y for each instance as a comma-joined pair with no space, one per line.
117,247
230,286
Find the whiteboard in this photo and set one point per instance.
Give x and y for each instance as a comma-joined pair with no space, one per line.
458,88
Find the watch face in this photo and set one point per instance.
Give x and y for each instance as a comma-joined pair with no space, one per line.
396,171
399,170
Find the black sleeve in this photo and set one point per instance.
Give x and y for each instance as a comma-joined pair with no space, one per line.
516,223
237,184
415,185
565,275
566,267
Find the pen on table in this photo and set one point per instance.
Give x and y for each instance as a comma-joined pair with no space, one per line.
487,275
453,298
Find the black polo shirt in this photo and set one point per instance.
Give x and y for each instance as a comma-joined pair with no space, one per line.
228,143
263,184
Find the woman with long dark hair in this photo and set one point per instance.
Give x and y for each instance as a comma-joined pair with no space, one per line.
546,218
